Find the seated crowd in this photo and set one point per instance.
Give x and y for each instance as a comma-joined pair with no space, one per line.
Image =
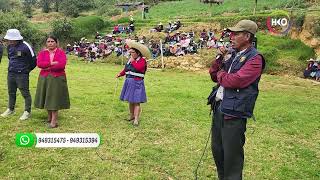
180,44
169,28
119,29
177,44
102,48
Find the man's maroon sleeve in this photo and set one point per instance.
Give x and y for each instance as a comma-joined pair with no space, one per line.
248,73
215,68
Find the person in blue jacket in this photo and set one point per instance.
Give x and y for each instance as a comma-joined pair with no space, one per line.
22,60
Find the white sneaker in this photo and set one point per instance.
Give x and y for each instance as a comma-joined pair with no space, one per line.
25,115
7,113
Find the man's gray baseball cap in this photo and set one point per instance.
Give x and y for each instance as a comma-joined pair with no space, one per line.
245,25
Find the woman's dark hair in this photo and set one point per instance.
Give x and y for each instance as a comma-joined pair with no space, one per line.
53,37
137,51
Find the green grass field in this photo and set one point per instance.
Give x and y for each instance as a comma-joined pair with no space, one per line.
282,144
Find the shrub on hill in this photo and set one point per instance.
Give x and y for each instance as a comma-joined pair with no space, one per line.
67,30
317,29
108,10
299,19
62,29
74,7
18,21
86,25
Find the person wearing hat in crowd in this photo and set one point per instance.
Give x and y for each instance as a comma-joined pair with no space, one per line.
179,51
133,89
234,99
52,90
172,50
309,68
69,49
22,61
159,28
314,69
131,28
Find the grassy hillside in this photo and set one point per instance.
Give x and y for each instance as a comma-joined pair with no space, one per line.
191,8
283,55
281,144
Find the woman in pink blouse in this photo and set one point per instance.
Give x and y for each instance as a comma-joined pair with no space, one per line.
52,90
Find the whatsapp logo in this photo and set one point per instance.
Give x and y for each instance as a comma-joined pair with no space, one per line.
24,139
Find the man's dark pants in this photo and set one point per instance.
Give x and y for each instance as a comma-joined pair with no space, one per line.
21,81
227,140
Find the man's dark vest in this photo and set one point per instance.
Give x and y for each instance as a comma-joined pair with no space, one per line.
19,58
240,102
128,67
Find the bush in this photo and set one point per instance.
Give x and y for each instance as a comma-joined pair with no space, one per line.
299,19
270,55
72,8
317,29
62,29
67,30
123,20
14,20
108,10
10,5
114,12
83,26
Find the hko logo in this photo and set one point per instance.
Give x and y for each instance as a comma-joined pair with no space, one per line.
279,25
279,22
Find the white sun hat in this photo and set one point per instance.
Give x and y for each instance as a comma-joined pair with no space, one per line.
13,34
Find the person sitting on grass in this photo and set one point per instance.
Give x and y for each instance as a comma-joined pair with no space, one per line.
159,28
307,71
69,49
314,69
179,51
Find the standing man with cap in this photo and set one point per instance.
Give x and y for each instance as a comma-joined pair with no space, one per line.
238,78
21,61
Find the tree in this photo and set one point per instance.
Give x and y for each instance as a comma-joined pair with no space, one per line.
57,4
9,5
27,7
18,21
69,9
62,29
74,7
45,4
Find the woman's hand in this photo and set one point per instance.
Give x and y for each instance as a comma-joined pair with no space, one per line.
53,63
118,75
